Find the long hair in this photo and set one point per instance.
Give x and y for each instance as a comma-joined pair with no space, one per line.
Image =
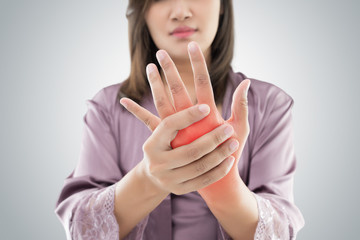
143,50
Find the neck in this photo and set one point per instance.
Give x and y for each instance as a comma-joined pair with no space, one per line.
186,73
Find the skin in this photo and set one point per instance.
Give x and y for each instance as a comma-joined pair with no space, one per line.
206,164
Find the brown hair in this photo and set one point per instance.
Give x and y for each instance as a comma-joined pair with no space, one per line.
143,50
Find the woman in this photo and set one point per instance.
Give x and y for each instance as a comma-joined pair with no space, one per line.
194,175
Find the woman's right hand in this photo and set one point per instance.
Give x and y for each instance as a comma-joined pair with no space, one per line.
189,167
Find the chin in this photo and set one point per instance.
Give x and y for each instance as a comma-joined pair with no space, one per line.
183,56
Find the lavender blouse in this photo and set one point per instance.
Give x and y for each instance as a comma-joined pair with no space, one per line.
112,146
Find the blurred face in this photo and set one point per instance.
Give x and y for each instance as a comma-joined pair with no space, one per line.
174,23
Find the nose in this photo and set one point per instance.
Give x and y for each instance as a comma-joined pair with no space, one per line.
180,11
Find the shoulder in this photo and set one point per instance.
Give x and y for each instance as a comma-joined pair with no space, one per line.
263,95
107,94
106,102
107,98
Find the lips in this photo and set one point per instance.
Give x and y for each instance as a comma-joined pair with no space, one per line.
183,32
183,29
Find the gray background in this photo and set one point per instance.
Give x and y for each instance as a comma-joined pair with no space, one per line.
56,54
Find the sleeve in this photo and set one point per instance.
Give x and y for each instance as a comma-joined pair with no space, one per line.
272,169
86,203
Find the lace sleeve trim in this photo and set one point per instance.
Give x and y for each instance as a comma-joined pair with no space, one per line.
273,221
94,217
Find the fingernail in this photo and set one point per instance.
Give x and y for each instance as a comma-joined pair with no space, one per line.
230,161
234,145
122,102
160,55
247,90
192,47
149,69
228,131
204,108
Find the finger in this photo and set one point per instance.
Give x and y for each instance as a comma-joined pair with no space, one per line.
149,119
206,163
207,178
203,88
161,100
168,127
178,91
200,147
239,106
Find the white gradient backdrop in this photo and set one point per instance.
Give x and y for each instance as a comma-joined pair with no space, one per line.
56,54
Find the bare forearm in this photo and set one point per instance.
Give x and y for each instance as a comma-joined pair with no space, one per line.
135,198
234,206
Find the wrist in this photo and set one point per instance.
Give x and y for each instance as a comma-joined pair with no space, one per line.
150,187
230,195
228,189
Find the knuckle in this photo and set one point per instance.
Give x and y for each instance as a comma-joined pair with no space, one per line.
202,79
175,88
166,123
218,139
160,102
243,103
193,153
207,180
200,167
147,122
224,151
166,65
194,113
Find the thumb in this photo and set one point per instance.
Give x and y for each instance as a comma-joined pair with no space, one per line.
239,106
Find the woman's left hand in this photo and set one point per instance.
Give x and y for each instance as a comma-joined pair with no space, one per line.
181,100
